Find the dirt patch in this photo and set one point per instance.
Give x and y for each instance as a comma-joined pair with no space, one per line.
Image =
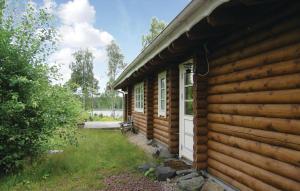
134,182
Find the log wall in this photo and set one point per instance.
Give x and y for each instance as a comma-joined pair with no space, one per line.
161,126
173,108
200,114
254,109
139,118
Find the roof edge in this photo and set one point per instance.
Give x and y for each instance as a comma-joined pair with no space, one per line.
194,12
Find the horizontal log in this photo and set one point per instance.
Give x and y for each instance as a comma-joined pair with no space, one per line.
280,68
200,140
201,157
201,149
289,81
160,138
199,165
228,180
278,55
259,173
283,154
256,36
160,127
260,110
161,122
200,121
272,124
267,97
200,131
245,179
273,138
161,133
275,166
280,40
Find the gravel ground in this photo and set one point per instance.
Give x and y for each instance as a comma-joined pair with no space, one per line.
135,182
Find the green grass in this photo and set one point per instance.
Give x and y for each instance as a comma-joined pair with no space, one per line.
99,154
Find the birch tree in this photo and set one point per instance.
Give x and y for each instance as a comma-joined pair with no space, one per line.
156,27
115,65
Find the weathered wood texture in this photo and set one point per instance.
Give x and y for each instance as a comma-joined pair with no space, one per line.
139,118
160,123
149,107
254,109
200,110
165,128
173,108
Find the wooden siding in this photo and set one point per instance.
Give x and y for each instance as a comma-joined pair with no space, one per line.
160,124
254,109
139,118
200,114
173,99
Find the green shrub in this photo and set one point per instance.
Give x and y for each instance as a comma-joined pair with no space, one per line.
32,110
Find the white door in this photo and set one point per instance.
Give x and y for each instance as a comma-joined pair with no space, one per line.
186,125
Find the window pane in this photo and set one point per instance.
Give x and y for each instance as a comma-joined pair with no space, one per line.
188,93
163,83
162,93
142,103
162,105
188,78
188,108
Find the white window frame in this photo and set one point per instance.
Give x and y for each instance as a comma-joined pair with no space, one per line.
139,97
162,112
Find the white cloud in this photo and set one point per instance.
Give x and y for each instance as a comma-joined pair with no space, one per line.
83,35
77,11
76,31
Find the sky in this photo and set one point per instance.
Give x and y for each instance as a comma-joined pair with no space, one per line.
93,24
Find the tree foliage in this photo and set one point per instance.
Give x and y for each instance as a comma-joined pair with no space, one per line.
32,109
82,74
115,61
155,28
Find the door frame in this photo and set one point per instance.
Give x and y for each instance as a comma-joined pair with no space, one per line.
181,111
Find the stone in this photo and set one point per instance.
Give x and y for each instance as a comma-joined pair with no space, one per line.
156,152
163,173
188,176
184,172
212,186
145,167
149,142
191,184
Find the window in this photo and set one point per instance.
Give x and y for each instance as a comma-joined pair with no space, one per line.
162,90
139,97
188,92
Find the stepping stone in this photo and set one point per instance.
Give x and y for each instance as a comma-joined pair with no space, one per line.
162,173
188,176
145,167
184,172
212,186
191,184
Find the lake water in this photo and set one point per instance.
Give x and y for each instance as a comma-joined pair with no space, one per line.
118,113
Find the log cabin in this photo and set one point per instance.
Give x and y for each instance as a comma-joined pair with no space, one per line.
220,87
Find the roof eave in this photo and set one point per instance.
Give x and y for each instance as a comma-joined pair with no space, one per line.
191,15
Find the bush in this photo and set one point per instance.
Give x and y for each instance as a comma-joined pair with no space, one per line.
32,110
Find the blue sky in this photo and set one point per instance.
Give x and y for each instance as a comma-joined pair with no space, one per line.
94,23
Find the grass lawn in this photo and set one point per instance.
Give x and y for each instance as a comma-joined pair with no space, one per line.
100,153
